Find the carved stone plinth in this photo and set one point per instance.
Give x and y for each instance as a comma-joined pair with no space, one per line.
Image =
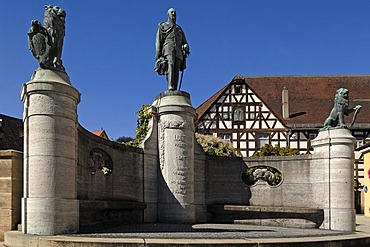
49,204
332,178
176,156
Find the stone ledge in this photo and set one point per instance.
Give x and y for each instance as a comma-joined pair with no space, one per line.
267,216
172,93
10,153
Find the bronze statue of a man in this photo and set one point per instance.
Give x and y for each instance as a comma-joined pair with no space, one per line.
171,50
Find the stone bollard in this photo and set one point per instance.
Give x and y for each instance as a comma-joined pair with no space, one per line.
332,172
176,157
49,203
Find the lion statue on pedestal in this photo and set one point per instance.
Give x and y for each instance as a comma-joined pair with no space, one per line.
46,42
341,103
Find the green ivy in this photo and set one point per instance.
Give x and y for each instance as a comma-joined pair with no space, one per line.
142,126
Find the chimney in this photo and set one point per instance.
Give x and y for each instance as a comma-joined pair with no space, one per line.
285,103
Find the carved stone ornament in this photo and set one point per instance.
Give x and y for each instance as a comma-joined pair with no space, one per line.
262,175
163,125
99,160
172,124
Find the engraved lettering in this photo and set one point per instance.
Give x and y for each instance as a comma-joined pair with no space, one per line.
180,137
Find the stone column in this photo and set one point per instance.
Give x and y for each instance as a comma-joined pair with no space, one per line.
333,165
176,157
49,204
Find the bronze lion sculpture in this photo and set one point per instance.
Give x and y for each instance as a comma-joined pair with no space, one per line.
340,109
46,42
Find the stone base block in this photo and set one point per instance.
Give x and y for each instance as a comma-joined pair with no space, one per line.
50,216
200,213
150,212
176,213
96,213
343,220
6,221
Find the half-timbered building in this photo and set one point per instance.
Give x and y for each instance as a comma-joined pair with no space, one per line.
287,111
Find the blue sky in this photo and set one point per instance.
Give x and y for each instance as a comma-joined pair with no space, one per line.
109,48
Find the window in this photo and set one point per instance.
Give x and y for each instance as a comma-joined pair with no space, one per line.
226,116
225,137
251,115
312,136
262,140
293,136
359,142
238,89
238,115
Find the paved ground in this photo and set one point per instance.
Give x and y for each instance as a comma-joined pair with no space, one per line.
362,223
205,231
216,231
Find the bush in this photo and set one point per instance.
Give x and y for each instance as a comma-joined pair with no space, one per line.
269,150
215,146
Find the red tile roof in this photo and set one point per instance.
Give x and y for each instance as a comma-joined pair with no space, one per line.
100,133
311,94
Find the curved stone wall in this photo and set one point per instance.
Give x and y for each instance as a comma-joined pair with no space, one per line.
109,181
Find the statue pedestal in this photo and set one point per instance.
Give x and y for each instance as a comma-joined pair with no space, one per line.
176,157
333,174
49,204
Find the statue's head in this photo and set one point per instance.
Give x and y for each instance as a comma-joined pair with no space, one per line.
171,13
342,93
55,10
342,96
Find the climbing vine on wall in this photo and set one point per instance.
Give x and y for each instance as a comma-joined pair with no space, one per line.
142,124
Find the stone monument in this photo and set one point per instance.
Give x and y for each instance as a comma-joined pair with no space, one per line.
174,199
176,157
334,151
49,203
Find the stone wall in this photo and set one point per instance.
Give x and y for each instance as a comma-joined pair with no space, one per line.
323,180
223,181
296,187
10,190
109,181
